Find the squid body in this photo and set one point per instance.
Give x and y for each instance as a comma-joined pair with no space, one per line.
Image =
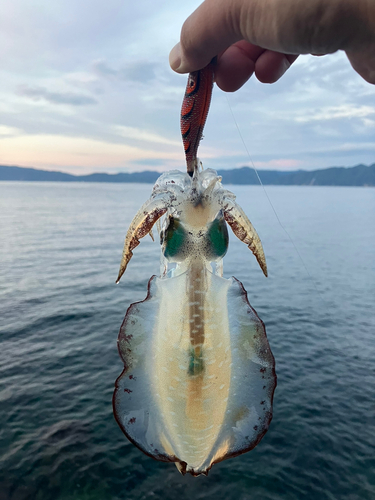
199,376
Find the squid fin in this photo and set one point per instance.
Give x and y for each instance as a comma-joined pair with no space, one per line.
196,419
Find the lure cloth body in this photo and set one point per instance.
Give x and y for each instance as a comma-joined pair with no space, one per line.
199,376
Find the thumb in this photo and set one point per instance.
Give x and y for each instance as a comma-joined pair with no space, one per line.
207,32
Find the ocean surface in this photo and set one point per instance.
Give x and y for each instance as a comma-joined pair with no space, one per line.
60,313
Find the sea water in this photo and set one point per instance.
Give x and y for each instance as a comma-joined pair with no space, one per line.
60,313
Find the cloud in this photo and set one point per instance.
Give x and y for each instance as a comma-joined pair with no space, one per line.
155,162
144,135
9,131
37,93
278,164
139,71
99,73
338,112
73,154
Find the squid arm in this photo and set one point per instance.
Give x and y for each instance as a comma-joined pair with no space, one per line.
142,224
244,230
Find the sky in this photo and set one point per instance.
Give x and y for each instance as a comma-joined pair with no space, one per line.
85,86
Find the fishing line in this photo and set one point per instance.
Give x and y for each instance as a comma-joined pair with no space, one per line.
273,208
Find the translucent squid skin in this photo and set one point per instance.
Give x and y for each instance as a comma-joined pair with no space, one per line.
199,376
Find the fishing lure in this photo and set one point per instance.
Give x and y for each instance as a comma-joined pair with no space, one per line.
199,376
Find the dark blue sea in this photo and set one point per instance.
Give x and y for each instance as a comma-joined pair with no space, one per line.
60,313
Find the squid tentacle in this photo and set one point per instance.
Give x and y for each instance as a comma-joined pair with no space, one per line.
142,224
244,230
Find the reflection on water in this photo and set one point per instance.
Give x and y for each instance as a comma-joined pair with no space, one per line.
60,313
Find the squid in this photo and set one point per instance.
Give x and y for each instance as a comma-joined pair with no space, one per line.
199,375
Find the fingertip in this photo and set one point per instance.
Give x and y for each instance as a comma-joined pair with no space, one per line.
271,66
234,68
204,34
179,63
364,63
175,57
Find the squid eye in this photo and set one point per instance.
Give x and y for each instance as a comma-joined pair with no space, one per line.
174,238
217,236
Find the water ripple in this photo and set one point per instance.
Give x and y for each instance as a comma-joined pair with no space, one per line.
60,315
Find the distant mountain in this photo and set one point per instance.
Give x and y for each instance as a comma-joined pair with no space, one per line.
32,174
360,175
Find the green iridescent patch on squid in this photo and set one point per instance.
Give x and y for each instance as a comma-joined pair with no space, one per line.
196,363
174,238
217,235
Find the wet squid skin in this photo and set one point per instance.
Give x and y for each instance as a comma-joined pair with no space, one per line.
199,376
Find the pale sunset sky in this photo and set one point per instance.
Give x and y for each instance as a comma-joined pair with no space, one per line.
85,86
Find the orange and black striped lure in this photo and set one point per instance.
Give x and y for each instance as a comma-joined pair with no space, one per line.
194,112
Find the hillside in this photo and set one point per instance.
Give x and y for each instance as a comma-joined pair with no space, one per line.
360,175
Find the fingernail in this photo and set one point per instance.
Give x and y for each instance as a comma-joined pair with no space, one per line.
175,57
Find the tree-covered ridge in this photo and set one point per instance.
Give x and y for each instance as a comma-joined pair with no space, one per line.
360,175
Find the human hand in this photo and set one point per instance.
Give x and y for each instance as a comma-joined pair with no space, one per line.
266,36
